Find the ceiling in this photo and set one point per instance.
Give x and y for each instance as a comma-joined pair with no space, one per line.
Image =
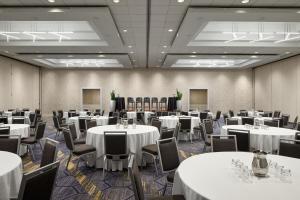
213,34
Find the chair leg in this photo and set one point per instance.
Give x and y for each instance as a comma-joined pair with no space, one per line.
70,156
78,163
165,189
31,152
155,165
104,166
40,145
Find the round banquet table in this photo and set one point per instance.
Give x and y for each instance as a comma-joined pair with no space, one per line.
171,121
136,139
10,175
264,139
101,120
260,119
212,176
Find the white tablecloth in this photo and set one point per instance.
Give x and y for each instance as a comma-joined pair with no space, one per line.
171,121
26,113
101,120
212,176
264,139
136,139
81,113
27,120
260,119
10,175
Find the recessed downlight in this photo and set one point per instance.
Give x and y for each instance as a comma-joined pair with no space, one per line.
101,56
245,1
116,1
170,30
240,11
253,56
55,10
125,30
129,46
192,56
180,1
51,1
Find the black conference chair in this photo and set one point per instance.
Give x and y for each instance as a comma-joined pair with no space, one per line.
289,148
112,120
139,103
130,103
18,120
231,113
39,183
154,103
248,120
184,113
4,120
185,127
217,118
230,121
242,138
91,124
147,105
276,114
57,126
223,143
292,125
272,123
137,185
73,131
49,152
5,130
285,119
203,116
10,143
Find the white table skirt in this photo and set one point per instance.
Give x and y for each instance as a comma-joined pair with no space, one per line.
171,121
264,139
260,119
136,139
212,176
11,172
101,120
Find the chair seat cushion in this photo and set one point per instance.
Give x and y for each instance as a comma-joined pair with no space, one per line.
79,141
173,197
80,149
118,157
28,140
152,149
170,177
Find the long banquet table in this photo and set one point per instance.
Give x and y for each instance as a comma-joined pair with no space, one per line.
212,176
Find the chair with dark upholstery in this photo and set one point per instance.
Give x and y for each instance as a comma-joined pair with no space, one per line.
79,150
91,124
217,118
112,120
169,158
4,119
5,130
39,183
163,104
225,117
272,123
147,106
115,147
171,113
37,118
289,148
18,120
73,131
39,134
54,114
242,138
223,143
82,123
130,104
157,123
203,116
292,125
49,152
194,115
137,185
10,143
276,114
184,113
247,120
37,111
140,118
139,103
267,114
230,121
57,126
185,127
31,117
164,113
231,113
176,130
154,103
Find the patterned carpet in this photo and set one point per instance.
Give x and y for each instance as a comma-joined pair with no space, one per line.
86,183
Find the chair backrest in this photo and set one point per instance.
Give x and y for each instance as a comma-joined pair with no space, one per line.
39,183
49,152
168,154
164,113
55,122
296,119
243,113
10,143
185,123
136,180
168,133
171,113
203,115
156,123
82,122
73,131
176,130
248,120
223,143
31,117
273,123
5,130
276,113
154,100
115,144
285,119
208,126
18,120
116,114
230,121
194,115
163,100
231,113
54,113
289,148
91,124
184,113
140,117
139,100
112,120
40,130
147,100
4,119
68,139
242,138
218,114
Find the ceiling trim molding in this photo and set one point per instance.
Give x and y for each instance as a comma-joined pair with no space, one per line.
276,61
22,61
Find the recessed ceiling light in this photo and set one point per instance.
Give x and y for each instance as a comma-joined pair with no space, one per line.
193,56
180,1
170,30
194,52
51,1
253,56
298,11
40,56
225,52
256,52
224,56
165,46
56,10
70,56
129,46
240,11
125,30
162,52
101,56
287,52
245,1
116,1
6,51
131,52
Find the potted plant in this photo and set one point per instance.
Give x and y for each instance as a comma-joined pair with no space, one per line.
112,105
178,99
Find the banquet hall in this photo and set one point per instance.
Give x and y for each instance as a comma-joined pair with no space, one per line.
149,99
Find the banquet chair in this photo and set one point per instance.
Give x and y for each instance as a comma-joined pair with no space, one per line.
231,113
37,111
10,143
242,138
25,109
202,134
33,124
184,113
217,118
39,183
4,119
225,117
247,120
91,123
267,114
82,123
21,113
73,131
147,105
272,123
171,113
230,121
203,116
285,119
137,185
158,124
115,148
292,125
18,120
130,104
276,114
112,120
185,127
223,143
57,126
5,130
289,148
140,118
49,152
79,150
194,115
54,114
176,130
31,140
152,150
31,117
154,103
151,117
169,158
163,104
139,104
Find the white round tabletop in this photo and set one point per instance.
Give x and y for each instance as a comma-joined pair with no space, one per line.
10,175
212,176
264,139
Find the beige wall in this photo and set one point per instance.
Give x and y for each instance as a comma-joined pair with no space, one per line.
226,89
277,86
19,85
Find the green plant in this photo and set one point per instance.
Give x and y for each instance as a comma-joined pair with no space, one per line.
178,95
113,95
